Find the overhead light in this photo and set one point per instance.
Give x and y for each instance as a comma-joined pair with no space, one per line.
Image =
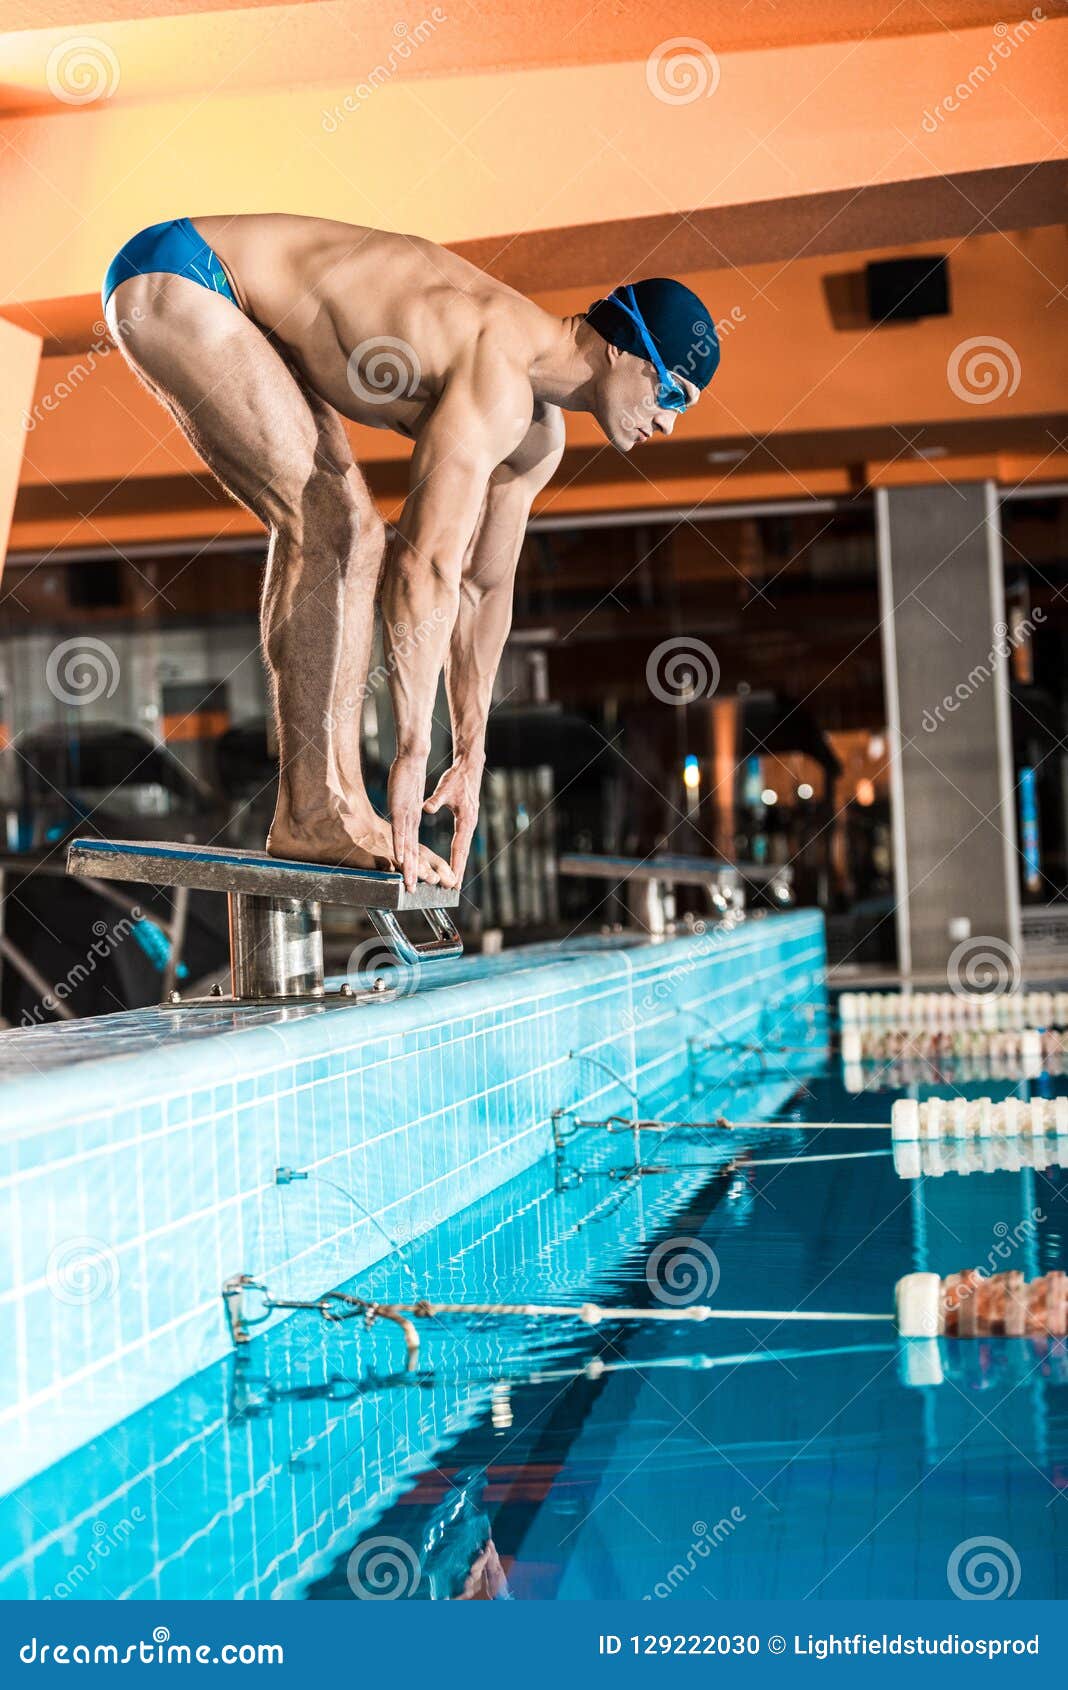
769,796
865,792
804,790
691,773
876,747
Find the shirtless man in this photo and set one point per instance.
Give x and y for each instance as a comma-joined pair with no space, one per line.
255,332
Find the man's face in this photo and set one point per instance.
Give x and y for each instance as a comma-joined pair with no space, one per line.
628,407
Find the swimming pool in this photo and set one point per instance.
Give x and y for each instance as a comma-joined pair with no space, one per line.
538,1460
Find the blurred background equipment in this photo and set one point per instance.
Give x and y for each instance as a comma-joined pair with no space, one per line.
710,685
821,627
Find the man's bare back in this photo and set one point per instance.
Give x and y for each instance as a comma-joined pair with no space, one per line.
325,289
256,332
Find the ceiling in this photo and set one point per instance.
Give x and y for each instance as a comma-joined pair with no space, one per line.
531,138
167,48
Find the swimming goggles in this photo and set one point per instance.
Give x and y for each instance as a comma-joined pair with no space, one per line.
669,395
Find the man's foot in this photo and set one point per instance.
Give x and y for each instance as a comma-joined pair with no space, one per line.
371,832
327,841
343,841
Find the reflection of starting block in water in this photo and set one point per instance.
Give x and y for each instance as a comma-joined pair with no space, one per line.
276,940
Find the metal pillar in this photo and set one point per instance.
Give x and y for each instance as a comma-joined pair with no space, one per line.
946,676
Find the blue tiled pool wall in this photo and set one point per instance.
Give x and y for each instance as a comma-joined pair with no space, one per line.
249,1478
140,1183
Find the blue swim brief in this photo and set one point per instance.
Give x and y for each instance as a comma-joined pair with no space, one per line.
175,247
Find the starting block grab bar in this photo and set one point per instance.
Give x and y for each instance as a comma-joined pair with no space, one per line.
276,940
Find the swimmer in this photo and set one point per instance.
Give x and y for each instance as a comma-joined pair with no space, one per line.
257,333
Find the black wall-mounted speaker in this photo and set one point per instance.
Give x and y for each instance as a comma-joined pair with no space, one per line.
902,290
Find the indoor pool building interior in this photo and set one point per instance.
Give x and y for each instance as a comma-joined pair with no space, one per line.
533,951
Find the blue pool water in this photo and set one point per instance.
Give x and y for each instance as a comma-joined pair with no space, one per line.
752,1458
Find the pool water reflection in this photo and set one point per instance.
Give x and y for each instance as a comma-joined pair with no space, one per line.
532,1460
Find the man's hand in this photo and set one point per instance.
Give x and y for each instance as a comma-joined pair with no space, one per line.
457,790
407,783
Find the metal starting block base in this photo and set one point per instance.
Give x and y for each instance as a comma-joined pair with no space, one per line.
648,884
276,940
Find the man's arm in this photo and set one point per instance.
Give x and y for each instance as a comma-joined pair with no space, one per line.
484,617
476,424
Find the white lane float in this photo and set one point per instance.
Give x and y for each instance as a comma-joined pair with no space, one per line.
1029,1047
977,1118
951,1009
901,1072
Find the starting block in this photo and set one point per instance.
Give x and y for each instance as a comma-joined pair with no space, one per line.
276,940
649,884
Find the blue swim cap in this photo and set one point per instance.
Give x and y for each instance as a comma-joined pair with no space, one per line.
677,323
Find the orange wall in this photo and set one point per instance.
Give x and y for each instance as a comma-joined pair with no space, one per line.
19,357
466,156
785,365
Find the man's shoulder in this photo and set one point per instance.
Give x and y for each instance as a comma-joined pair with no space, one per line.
536,456
506,324
549,421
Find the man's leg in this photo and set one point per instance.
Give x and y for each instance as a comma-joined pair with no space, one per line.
359,590
241,408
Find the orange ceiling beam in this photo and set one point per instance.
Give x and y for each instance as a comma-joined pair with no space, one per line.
466,157
820,130
521,33
167,45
